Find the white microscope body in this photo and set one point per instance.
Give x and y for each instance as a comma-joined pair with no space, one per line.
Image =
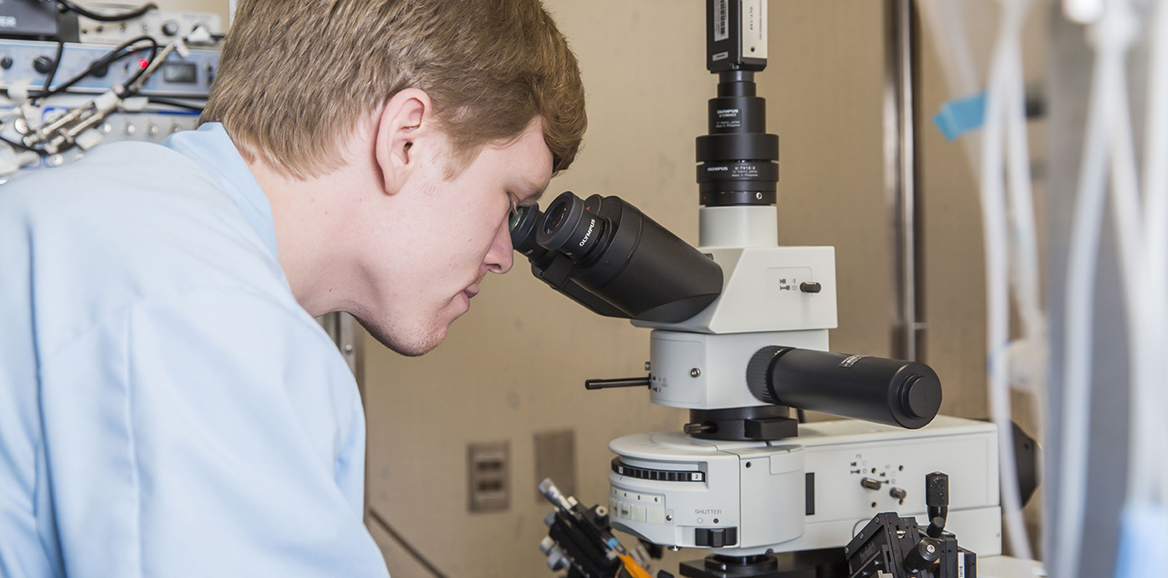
743,498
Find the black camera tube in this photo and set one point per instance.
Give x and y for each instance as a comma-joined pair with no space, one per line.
898,393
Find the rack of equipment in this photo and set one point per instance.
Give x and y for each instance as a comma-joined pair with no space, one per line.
97,75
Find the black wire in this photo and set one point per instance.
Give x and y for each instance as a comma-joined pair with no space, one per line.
109,58
175,103
130,15
141,71
22,146
56,65
405,545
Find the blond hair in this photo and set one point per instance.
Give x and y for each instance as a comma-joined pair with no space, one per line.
296,76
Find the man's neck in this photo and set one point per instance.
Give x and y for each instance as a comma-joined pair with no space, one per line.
315,222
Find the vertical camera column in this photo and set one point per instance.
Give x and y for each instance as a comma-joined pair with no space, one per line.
737,159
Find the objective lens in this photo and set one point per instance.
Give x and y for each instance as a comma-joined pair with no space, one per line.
570,228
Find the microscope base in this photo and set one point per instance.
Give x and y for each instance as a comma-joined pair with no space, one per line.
824,563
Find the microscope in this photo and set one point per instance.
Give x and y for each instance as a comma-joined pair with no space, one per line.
739,338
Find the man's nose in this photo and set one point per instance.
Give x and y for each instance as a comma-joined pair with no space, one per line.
501,256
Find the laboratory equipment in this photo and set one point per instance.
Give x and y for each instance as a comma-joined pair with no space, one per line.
739,337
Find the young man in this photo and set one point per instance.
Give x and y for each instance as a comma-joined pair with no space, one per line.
168,407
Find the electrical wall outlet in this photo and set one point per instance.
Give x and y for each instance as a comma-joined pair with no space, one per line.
488,469
555,458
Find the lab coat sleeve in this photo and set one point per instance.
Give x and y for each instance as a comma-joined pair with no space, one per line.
205,433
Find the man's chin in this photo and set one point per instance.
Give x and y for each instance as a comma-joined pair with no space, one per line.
408,343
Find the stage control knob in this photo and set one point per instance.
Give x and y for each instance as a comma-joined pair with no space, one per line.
42,64
870,483
557,561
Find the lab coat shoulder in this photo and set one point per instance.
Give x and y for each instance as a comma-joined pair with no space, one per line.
129,221
215,445
193,419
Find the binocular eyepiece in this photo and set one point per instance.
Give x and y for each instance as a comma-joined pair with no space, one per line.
571,228
607,255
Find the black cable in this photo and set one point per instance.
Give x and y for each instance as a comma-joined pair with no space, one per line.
175,103
56,65
130,15
141,70
22,146
109,58
405,545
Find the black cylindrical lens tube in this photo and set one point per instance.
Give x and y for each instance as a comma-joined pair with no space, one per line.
737,158
898,393
570,228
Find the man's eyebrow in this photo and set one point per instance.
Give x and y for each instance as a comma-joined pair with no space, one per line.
539,191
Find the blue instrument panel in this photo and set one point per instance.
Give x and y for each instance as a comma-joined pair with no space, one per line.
191,76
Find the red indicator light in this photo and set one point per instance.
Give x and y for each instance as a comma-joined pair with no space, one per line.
143,63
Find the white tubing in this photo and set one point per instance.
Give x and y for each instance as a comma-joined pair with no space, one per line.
1080,292
1025,263
1004,85
1130,233
1153,396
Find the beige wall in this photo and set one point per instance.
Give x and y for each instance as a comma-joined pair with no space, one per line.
515,364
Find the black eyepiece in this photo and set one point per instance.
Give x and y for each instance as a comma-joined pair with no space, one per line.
555,217
571,228
524,222
517,217
610,257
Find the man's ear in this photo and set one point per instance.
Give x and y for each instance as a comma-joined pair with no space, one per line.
404,118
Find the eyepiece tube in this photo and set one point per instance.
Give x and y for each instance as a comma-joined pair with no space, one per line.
569,228
898,393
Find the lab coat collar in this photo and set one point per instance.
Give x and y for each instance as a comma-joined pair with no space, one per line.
212,148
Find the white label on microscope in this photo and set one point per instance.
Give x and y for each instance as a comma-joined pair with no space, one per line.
721,20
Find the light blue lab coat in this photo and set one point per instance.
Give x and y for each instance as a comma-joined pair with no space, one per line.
167,409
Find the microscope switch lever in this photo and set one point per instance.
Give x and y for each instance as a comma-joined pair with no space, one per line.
937,500
870,483
620,382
